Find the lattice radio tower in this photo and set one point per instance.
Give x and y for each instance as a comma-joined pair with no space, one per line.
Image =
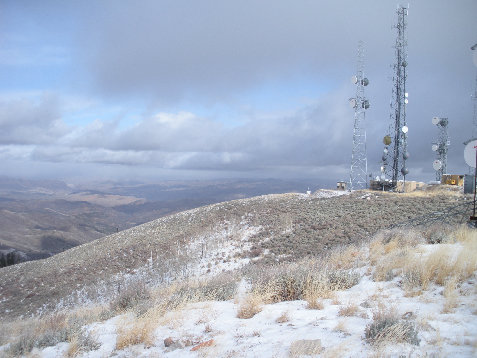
474,96
359,164
474,99
441,147
395,150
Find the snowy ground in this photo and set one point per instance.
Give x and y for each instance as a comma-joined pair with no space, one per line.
212,329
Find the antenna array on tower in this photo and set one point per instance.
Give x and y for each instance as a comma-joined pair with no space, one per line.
441,147
359,164
395,150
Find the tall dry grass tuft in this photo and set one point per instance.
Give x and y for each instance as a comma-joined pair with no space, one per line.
451,295
454,257
314,291
136,333
52,329
251,304
170,299
387,328
349,310
309,280
347,257
388,250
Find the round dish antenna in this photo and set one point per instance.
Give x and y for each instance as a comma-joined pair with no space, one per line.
435,120
387,140
437,164
354,79
405,129
435,147
470,153
353,102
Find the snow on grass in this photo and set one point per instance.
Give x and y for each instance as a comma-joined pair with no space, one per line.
262,336
222,251
411,324
323,193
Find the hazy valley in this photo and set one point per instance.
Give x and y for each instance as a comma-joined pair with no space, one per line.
41,218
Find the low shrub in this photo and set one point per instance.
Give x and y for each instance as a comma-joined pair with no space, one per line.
388,328
250,305
349,310
129,297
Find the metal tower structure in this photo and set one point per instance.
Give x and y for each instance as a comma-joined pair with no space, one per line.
358,178
395,150
441,147
474,99
474,96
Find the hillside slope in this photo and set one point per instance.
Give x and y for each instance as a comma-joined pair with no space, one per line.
402,293
208,240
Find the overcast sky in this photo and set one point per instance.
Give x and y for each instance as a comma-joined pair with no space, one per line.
209,89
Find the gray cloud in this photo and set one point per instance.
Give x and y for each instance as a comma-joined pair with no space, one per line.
26,121
210,49
186,141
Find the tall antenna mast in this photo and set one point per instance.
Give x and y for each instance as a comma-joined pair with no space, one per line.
441,147
395,151
358,178
474,99
474,96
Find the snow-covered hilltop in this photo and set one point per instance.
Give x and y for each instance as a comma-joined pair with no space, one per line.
272,276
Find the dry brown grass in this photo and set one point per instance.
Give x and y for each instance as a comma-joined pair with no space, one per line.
138,332
52,329
349,310
347,257
387,328
283,318
434,190
451,295
251,304
398,254
74,347
315,290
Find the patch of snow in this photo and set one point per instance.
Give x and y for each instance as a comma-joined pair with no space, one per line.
323,193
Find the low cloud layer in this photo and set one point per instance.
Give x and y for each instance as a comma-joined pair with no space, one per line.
186,141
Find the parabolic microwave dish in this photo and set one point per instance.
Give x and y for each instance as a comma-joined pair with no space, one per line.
470,153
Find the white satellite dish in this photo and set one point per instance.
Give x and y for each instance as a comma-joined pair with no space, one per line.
469,153
435,120
353,103
354,79
435,147
437,164
405,129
